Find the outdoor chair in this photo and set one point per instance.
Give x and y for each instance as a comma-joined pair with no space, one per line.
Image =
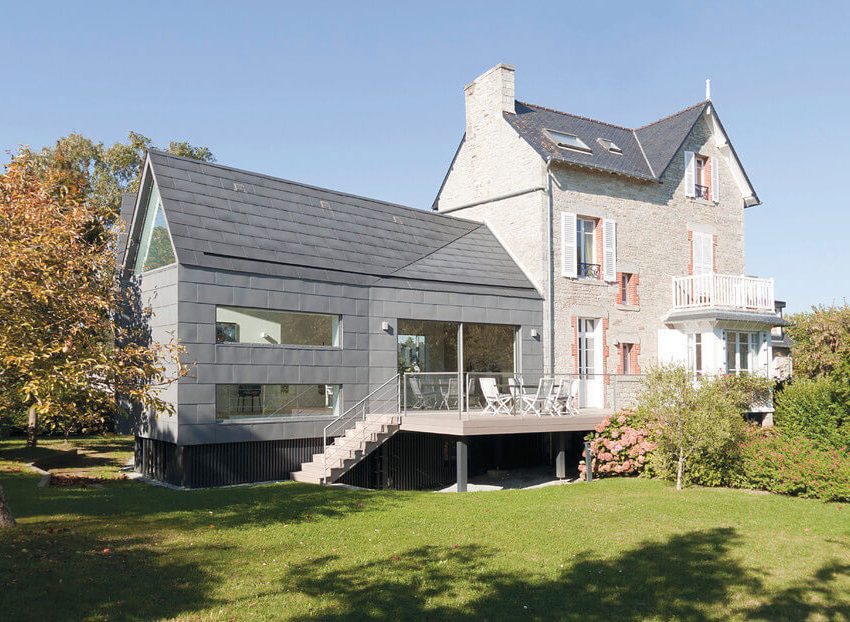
497,403
515,388
536,403
558,398
571,404
449,394
421,399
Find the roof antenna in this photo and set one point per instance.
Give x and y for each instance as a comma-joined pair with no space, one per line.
708,90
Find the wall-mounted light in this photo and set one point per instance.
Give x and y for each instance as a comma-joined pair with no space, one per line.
385,326
535,334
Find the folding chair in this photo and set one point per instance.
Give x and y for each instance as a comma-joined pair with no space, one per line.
497,403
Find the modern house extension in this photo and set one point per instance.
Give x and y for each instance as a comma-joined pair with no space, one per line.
634,237
334,338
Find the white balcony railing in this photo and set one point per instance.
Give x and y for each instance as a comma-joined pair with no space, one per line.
723,290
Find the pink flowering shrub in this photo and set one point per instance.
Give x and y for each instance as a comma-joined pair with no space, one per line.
619,448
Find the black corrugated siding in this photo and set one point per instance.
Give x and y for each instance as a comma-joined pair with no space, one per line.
417,461
223,464
407,461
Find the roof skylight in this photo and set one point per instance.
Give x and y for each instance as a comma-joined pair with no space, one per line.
610,145
568,141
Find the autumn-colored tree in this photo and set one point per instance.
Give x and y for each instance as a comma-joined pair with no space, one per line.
111,170
821,344
62,348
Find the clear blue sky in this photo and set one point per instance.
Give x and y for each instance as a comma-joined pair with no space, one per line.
367,97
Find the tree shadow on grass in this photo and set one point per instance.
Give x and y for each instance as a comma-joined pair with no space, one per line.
688,577
187,509
811,598
76,573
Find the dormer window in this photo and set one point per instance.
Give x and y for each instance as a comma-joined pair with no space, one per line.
568,141
609,145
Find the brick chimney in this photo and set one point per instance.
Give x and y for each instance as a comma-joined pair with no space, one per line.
488,96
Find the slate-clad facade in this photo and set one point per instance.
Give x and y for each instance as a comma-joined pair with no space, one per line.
244,240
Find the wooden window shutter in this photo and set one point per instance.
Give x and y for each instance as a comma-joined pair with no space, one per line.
609,252
569,266
715,180
690,173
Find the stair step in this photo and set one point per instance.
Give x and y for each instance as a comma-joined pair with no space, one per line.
345,451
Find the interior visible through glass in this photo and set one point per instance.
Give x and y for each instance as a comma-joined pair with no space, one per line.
242,325
235,401
427,346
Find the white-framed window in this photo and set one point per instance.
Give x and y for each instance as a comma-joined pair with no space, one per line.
695,367
741,352
587,347
586,265
702,249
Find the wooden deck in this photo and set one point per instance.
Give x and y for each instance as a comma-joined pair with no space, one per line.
476,423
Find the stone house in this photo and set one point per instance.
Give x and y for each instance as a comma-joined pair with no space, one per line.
633,237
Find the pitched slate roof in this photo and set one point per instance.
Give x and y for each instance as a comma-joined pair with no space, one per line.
663,138
646,151
226,218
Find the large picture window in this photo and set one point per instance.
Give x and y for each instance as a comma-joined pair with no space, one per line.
248,401
427,346
242,325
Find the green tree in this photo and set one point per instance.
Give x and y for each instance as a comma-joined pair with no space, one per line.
694,423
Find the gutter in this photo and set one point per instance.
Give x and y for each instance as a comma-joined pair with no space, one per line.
495,199
550,263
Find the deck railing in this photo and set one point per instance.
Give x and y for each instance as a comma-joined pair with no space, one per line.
460,395
723,290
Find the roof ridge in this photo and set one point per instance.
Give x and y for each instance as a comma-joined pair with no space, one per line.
428,213
670,116
439,248
577,116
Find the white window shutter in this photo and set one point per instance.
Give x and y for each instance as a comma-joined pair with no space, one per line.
609,250
715,179
690,173
569,267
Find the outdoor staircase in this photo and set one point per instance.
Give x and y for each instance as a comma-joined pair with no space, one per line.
345,451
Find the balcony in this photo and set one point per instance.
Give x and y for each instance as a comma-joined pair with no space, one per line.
723,291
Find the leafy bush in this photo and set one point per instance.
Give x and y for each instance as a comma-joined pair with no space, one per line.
618,447
779,462
821,341
815,409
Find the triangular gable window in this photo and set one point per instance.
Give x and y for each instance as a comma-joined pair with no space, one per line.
155,247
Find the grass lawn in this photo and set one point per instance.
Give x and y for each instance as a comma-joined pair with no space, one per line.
618,549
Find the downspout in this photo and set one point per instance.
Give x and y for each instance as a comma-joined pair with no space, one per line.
550,209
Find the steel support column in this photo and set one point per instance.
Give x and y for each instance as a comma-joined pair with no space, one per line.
462,469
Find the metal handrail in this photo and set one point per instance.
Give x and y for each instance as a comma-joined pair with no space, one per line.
356,413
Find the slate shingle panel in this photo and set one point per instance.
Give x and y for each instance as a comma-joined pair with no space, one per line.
646,152
237,220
